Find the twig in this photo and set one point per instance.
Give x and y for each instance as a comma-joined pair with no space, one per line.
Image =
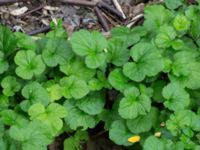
134,20
118,7
80,2
109,19
101,19
109,8
31,11
42,30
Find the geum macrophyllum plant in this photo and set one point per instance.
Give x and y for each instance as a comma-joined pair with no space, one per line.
53,84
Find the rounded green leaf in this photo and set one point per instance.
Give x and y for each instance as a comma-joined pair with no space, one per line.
55,92
153,143
56,52
117,79
119,133
156,16
143,123
166,37
29,64
55,110
173,4
34,93
118,53
92,104
147,62
179,120
85,42
74,87
77,118
95,60
10,85
36,109
181,23
77,67
176,96
133,105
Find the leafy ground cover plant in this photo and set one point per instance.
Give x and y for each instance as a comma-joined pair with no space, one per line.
52,84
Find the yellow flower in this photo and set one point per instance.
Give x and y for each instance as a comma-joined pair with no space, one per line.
134,139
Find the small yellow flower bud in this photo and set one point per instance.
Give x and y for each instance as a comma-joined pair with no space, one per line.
157,134
134,139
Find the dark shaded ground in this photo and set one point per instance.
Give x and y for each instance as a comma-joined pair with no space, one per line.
39,13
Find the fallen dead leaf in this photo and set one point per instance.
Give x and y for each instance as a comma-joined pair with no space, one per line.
19,11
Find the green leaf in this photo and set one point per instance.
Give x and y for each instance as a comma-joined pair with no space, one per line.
165,37
25,42
36,109
128,36
91,45
146,90
29,64
10,85
108,117
157,92
7,40
58,30
153,143
134,104
74,87
32,136
3,63
77,67
92,104
142,123
193,14
81,135
55,92
10,117
119,133
118,53
179,120
173,4
156,16
77,118
95,60
34,93
96,84
117,79
147,62
57,51
176,96
181,23
4,102
56,110
51,116
185,70
178,44
71,144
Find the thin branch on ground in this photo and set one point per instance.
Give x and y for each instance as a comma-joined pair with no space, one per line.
119,8
134,20
101,19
